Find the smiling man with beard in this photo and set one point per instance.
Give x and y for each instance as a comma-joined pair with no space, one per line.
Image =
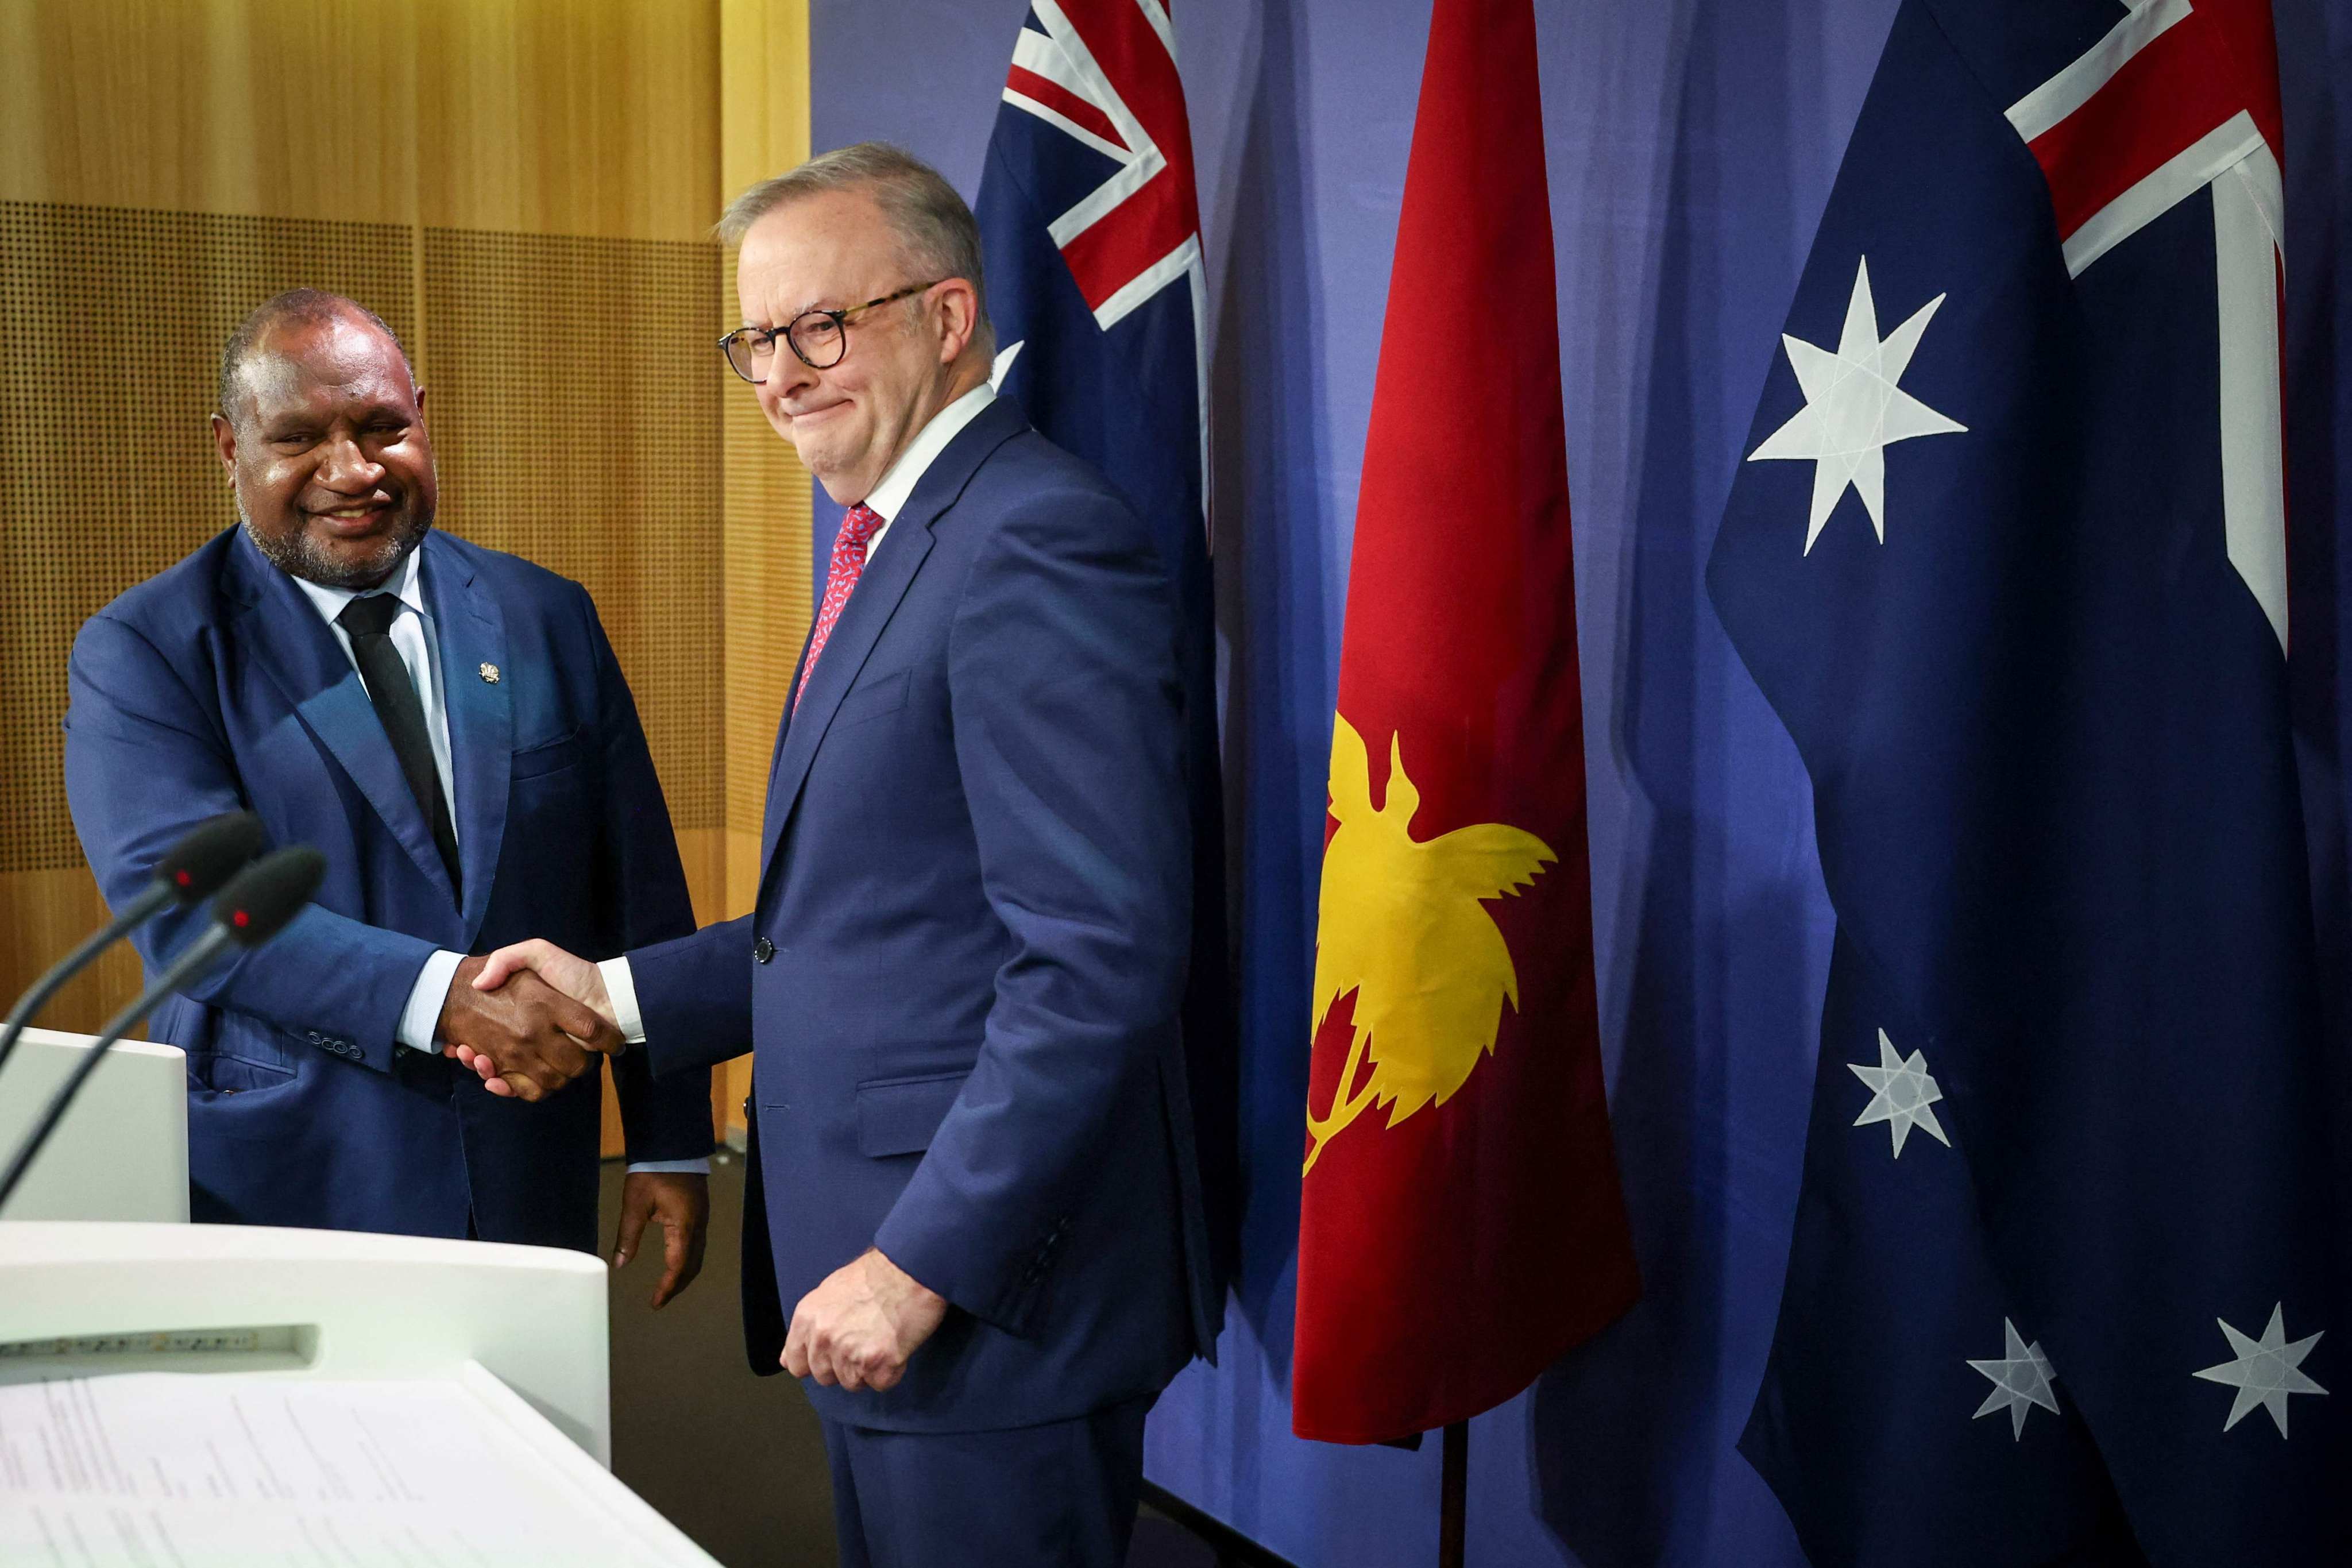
448,725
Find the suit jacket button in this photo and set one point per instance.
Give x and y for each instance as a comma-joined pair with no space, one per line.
762,951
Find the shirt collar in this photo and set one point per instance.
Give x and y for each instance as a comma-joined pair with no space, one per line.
404,584
888,496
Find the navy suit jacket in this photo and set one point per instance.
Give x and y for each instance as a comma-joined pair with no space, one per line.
964,976
217,686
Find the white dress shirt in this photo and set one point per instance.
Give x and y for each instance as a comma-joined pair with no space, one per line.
419,643
887,500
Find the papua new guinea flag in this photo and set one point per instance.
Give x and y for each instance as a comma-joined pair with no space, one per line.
2008,557
1460,1220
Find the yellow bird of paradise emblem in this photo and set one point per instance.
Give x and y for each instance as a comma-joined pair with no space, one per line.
1404,926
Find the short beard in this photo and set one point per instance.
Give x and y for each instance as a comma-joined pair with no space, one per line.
297,557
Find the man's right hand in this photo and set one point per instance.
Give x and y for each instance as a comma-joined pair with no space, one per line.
535,1038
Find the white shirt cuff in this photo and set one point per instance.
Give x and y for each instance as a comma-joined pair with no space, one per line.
622,988
422,1016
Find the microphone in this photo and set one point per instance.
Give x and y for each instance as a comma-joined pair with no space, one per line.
253,908
191,869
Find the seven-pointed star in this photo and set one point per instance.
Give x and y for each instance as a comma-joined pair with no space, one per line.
2265,1372
2021,1379
1903,1094
1854,411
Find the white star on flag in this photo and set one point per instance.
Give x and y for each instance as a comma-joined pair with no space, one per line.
2020,1380
1854,411
1902,1094
2265,1372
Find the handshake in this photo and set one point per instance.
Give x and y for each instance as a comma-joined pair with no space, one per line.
529,1019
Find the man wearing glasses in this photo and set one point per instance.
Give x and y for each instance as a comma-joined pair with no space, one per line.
975,1171
447,724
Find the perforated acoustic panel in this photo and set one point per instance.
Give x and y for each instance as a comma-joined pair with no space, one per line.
110,326
572,394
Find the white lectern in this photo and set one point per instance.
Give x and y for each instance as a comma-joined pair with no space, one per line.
354,1404
82,1299
121,1151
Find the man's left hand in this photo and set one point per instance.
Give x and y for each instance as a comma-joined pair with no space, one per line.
859,1326
681,1203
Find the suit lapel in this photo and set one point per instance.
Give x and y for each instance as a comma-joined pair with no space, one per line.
293,645
473,637
771,812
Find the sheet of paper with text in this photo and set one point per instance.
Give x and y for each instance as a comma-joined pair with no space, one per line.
210,1471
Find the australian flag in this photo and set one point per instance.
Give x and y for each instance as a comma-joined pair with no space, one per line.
2008,556
1091,235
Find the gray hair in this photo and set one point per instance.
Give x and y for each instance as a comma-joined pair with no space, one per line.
938,236
305,307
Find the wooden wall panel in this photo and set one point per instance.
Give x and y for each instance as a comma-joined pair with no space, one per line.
763,131
764,91
294,108
585,117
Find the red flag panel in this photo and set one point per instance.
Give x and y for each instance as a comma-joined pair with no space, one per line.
1461,1223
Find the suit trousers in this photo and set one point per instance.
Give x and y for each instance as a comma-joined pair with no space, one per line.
1062,1494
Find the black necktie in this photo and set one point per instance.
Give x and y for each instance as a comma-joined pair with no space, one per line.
368,620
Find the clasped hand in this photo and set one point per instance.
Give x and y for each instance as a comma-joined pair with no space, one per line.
529,1019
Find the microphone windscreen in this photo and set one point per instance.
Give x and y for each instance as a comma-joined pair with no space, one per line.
199,864
262,898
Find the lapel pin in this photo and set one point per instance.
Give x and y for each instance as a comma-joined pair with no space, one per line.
490,674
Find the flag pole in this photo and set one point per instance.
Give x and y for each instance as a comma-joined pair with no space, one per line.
1453,1500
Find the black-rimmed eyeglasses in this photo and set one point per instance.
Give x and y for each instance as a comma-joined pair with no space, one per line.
819,337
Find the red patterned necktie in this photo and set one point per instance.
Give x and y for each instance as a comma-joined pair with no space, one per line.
848,563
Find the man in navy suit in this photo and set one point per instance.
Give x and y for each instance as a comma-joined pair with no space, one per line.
976,1175
447,724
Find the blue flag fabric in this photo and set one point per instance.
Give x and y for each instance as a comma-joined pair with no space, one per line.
2066,1284
1091,243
